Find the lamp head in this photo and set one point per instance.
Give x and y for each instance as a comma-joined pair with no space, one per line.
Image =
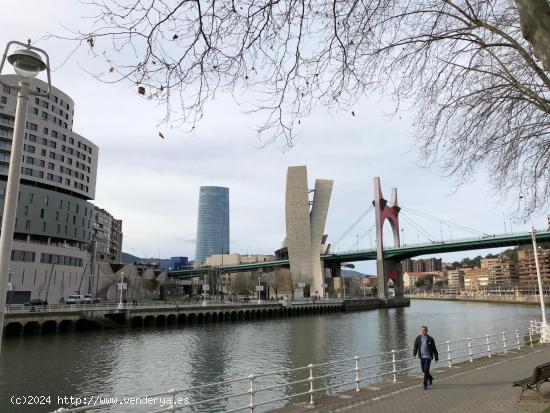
26,63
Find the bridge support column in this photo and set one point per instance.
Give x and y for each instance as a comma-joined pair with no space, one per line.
386,269
389,270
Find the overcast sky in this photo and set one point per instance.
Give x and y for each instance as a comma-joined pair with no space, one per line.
153,184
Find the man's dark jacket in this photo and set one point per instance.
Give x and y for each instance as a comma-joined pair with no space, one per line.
431,347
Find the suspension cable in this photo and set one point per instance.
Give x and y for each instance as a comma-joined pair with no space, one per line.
444,221
363,235
417,227
350,228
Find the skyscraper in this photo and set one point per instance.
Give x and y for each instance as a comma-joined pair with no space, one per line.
213,222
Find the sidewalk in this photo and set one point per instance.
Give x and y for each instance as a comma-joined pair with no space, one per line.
482,386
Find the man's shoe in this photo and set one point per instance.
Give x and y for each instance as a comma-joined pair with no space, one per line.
425,387
430,381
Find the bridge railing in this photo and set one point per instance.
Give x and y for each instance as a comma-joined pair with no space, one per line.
429,243
265,391
51,308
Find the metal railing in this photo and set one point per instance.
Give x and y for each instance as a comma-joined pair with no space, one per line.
21,308
258,391
435,241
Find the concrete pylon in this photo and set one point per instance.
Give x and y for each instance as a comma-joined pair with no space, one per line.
305,227
386,269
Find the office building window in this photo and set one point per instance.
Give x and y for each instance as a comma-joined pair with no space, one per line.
46,200
44,226
26,210
3,100
35,111
28,224
42,213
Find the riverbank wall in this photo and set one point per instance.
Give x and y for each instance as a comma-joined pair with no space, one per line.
66,319
495,299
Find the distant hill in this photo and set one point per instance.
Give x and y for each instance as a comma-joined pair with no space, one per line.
347,273
131,259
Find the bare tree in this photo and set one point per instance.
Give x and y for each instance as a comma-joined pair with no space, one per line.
475,71
274,281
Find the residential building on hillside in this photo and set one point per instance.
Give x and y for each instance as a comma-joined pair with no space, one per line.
475,279
527,270
502,272
455,278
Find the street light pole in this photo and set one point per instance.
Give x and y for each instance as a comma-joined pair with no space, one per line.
545,330
27,64
120,302
204,291
259,288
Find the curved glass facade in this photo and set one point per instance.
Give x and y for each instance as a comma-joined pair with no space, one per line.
213,222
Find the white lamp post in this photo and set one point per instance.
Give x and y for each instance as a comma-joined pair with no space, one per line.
121,287
259,288
205,288
27,64
545,328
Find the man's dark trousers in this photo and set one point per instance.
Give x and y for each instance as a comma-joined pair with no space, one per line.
425,364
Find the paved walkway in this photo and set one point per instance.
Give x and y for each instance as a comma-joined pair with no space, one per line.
482,386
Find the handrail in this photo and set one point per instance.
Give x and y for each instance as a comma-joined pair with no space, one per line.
323,377
21,308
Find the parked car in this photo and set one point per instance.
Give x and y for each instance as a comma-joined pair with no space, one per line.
36,302
90,299
75,299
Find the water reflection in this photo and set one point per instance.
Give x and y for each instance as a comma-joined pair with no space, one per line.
144,361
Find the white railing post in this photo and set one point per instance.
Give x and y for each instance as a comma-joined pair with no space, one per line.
173,400
504,342
252,392
470,350
449,353
357,373
488,346
394,371
311,402
517,339
531,335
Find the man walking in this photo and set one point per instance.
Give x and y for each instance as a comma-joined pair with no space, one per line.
424,345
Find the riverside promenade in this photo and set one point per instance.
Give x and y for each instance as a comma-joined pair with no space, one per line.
479,298
484,385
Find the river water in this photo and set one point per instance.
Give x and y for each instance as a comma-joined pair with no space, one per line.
138,362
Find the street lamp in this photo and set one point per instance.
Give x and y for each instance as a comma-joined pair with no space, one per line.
205,288
259,288
27,63
545,328
121,288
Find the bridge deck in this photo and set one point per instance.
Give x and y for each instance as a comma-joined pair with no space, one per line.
482,386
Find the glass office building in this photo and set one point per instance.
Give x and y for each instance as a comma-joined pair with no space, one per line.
213,222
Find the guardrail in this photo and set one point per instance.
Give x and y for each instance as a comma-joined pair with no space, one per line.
21,308
306,383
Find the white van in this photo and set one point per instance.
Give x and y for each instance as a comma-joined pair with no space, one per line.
75,299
